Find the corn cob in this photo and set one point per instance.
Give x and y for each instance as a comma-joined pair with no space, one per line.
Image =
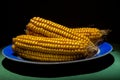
54,28
37,58
89,32
34,29
54,46
59,44
34,55
54,31
94,34
50,23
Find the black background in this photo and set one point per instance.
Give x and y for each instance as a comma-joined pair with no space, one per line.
71,13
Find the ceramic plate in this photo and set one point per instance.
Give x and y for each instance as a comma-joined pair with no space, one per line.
104,49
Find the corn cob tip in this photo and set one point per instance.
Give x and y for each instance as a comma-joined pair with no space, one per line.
25,30
99,41
105,32
91,51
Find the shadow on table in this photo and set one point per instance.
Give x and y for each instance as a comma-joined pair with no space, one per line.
59,70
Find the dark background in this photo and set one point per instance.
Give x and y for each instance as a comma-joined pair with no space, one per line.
71,13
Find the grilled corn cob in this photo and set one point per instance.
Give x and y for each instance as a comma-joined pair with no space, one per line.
52,46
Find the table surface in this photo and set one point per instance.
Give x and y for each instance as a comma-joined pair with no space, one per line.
107,67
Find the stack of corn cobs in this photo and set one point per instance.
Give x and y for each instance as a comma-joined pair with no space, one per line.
47,41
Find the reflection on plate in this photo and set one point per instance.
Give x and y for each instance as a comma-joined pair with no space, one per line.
104,49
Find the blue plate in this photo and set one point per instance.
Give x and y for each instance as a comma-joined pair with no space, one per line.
104,49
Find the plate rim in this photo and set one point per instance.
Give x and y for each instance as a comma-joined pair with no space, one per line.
66,62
